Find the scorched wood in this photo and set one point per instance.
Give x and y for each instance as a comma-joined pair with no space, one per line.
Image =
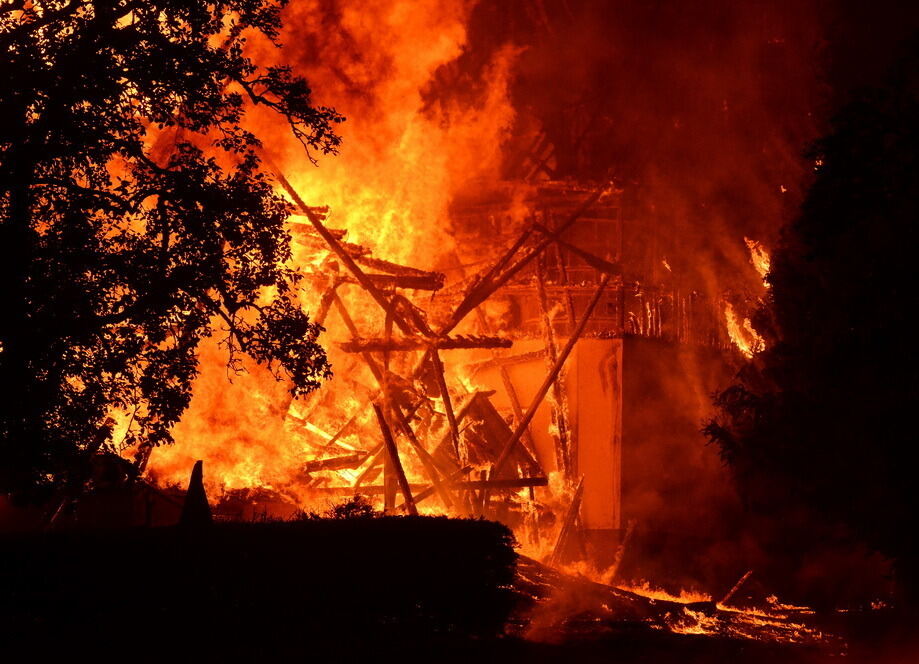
403,344
571,518
395,461
336,463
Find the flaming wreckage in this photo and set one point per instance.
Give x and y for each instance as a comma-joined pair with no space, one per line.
501,394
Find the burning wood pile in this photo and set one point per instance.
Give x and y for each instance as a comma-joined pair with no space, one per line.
470,458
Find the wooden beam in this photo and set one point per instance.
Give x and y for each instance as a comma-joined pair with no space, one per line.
429,491
507,360
429,282
597,263
559,408
448,404
571,517
424,491
405,344
395,461
497,485
335,463
735,588
376,457
528,445
427,461
499,274
399,270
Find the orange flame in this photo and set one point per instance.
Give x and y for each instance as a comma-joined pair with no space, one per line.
742,333
401,163
759,257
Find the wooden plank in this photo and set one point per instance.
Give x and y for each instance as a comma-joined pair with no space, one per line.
376,457
507,360
735,588
423,491
427,461
426,492
498,485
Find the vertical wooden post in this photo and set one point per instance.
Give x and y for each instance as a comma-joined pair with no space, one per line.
448,405
395,464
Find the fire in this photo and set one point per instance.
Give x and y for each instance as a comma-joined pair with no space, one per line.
685,595
400,166
759,257
407,156
742,333
740,329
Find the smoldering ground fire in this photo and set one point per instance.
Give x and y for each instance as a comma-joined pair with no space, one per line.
538,255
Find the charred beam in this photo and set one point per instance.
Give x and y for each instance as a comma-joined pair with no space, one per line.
396,463
439,375
396,269
381,345
568,525
426,493
426,490
508,360
560,405
599,264
499,485
432,281
336,463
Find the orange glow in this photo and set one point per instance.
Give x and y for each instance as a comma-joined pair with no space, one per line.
685,596
401,164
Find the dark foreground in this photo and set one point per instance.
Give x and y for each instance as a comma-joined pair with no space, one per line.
401,589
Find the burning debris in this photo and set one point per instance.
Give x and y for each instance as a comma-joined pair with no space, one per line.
528,276
436,435
477,312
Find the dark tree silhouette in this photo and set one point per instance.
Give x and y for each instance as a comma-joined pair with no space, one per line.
824,419
134,214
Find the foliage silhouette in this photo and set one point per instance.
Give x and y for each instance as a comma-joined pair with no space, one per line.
135,220
823,420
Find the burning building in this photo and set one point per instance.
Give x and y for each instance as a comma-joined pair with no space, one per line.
525,319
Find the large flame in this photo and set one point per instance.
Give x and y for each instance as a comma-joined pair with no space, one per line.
759,257
402,161
740,329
